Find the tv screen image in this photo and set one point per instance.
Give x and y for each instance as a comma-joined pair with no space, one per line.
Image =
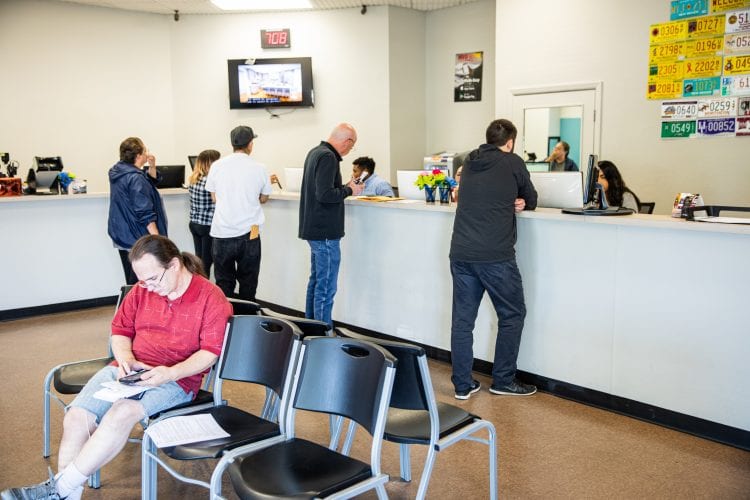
172,176
260,83
558,189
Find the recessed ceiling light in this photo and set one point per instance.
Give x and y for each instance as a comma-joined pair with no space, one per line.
262,4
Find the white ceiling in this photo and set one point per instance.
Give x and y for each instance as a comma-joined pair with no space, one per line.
206,7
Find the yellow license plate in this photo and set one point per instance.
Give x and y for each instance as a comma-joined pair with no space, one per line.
702,67
725,5
704,47
668,32
706,26
664,89
736,65
738,42
672,70
666,52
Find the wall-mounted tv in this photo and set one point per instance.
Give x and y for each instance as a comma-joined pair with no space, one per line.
264,83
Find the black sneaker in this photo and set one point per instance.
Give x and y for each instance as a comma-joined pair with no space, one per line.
475,386
515,388
41,491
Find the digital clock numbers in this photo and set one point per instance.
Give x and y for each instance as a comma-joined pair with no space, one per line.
275,39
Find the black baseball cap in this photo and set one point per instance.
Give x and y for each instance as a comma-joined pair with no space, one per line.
242,136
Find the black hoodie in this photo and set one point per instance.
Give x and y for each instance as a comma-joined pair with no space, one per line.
484,229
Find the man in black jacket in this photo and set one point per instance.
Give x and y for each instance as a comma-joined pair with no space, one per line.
321,217
495,185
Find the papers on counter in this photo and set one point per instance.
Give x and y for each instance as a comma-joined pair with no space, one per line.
112,391
185,429
724,220
377,198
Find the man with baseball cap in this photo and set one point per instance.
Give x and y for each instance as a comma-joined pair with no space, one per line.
238,185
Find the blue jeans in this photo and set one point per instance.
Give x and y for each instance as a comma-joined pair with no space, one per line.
502,281
325,258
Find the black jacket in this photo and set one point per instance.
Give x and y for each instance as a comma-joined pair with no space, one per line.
484,229
321,204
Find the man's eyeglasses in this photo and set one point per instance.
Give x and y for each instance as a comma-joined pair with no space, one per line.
152,281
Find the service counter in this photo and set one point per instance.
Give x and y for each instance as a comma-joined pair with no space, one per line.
647,308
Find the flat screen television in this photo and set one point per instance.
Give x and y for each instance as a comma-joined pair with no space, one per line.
172,176
264,83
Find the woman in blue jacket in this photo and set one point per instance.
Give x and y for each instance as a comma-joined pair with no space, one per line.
135,205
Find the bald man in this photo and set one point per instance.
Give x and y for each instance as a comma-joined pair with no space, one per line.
321,217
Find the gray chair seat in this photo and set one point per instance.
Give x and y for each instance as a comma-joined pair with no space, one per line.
310,471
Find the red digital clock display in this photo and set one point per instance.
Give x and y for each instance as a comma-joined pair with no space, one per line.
275,39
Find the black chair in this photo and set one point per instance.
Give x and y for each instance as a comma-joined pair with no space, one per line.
335,376
646,207
310,327
257,350
415,417
241,307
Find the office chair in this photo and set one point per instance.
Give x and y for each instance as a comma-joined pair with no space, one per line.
646,207
257,350
310,327
242,307
335,376
415,417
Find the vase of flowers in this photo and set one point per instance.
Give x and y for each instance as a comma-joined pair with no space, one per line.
435,180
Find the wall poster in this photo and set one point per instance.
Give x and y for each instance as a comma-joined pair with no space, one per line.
467,81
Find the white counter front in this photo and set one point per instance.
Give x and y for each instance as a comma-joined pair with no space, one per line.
647,308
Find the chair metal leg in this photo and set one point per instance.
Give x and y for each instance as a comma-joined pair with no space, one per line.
95,479
426,473
405,459
492,445
148,469
380,489
46,416
336,423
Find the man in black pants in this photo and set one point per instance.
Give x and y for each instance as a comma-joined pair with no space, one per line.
495,185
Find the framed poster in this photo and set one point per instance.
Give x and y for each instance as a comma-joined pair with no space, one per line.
467,80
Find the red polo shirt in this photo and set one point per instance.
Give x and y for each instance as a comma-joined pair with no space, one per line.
165,332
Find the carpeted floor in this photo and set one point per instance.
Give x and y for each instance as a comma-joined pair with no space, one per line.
548,447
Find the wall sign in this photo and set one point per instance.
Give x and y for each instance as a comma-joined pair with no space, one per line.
275,39
467,79
703,53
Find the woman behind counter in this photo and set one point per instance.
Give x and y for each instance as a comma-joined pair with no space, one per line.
617,193
202,207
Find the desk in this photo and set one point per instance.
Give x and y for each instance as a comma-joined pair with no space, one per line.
642,307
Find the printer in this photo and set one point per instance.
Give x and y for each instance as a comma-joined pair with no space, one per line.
446,161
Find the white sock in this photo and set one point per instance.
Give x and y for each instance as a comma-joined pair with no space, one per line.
76,495
69,480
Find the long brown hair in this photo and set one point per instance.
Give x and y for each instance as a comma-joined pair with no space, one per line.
164,250
203,164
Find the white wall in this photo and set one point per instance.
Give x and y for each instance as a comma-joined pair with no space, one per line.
349,54
78,80
406,75
548,43
459,126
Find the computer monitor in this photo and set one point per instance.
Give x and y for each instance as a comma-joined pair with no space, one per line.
293,179
558,189
48,163
172,176
537,166
406,188
192,159
592,178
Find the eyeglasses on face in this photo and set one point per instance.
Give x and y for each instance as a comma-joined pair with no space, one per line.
152,281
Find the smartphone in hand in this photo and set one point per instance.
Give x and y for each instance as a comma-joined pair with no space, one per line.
132,378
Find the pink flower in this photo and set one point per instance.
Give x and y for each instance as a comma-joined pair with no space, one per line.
436,171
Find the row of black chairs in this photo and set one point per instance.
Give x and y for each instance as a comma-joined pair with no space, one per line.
318,383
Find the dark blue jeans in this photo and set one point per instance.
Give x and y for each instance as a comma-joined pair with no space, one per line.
325,257
502,282
237,260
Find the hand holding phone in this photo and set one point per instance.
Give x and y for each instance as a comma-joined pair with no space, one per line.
361,178
132,378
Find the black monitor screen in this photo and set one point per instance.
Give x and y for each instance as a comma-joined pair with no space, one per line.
592,177
49,163
192,159
172,176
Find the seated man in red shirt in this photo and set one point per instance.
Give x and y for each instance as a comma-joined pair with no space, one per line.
172,325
